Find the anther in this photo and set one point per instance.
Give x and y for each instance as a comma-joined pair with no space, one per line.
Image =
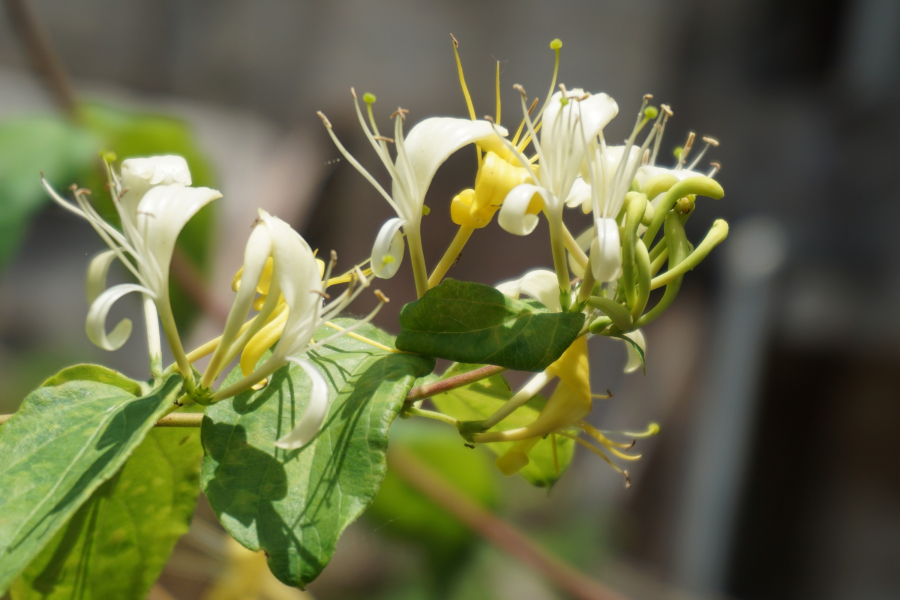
400,111
489,119
383,139
533,105
324,119
255,222
381,296
646,158
648,97
455,43
711,140
716,167
321,293
520,89
666,109
627,479
353,91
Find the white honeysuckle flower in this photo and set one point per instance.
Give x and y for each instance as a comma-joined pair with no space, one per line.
419,155
293,311
540,284
634,359
580,195
570,120
153,211
606,250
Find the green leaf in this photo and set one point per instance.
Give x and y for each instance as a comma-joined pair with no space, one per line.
118,542
132,134
64,442
477,401
402,511
475,323
28,147
294,504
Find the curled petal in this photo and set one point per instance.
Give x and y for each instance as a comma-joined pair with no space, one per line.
96,275
315,413
540,284
606,251
579,195
95,327
515,216
431,142
387,252
635,361
162,214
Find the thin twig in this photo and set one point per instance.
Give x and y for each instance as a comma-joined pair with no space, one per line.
40,51
172,420
451,383
492,528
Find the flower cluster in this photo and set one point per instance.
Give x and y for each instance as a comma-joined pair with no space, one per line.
556,159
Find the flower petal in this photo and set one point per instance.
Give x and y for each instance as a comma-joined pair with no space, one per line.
429,144
387,252
580,194
514,216
96,275
540,284
594,113
140,174
95,326
162,214
315,413
635,361
297,277
606,251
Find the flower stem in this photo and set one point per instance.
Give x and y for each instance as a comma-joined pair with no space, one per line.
450,256
451,383
430,414
417,257
560,265
574,249
154,346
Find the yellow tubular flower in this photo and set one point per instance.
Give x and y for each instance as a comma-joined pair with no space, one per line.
569,402
495,179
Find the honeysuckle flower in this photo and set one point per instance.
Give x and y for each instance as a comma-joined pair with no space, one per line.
154,202
569,120
418,156
279,265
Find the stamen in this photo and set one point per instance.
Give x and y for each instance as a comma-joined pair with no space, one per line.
687,150
497,92
380,295
716,167
400,111
462,79
383,139
661,127
605,396
515,139
599,453
709,142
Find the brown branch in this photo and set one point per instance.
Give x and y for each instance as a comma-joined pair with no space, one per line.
40,52
173,420
492,528
451,383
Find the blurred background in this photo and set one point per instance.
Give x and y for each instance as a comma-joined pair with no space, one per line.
774,377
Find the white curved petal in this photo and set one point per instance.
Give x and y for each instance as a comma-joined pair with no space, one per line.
162,214
313,416
95,326
138,175
540,284
297,276
606,251
580,194
96,275
428,145
634,359
256,253
513,214
594,113
387,252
